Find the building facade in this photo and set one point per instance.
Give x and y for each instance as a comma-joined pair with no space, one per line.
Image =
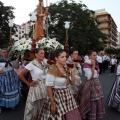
22,30
107,25
118,43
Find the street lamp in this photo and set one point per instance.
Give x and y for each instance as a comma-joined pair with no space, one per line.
10,23
67,25
33,18
46,21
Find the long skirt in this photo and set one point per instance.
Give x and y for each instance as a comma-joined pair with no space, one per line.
9,89
34,101
114,95
91,100
67,108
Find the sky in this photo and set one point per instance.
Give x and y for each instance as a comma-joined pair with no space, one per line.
24,7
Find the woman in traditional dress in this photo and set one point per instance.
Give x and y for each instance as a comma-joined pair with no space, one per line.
9,83
90,95
114,96
78,71
60,103
37,90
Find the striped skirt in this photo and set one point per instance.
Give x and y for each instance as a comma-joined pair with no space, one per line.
91,100
114,95
67,108
9,89
34,101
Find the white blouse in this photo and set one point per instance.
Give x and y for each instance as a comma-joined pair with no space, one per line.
55,82
36,73
88,73
8,68
113,61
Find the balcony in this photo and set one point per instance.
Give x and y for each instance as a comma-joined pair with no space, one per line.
106,32
113,26
104,27
103,20
114,44
113,37
113,23
114,32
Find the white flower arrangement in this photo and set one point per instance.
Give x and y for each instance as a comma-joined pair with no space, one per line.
24,45
20,47
49,45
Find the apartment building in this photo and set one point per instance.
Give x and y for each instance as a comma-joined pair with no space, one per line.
107,25
22,30
118,42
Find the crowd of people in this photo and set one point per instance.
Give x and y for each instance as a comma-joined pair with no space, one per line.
106,61
56,91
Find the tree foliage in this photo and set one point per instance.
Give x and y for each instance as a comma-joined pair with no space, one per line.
5,13
83,32
113,51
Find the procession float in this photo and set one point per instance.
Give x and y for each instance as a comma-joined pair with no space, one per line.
24,47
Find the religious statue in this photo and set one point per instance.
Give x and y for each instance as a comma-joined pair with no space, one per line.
39,24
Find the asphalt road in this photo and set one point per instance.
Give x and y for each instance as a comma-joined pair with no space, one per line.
106,81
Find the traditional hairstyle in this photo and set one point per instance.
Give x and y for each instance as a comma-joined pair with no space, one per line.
90,52
72,50
37,50
58,51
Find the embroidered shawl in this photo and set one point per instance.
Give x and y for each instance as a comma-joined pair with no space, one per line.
54,70
86,65
37,64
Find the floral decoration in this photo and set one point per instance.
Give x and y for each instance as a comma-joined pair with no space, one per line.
23,45
20,47
49,45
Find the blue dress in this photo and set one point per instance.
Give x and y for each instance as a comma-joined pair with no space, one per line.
9,85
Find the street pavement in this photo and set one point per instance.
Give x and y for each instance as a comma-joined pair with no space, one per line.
106,80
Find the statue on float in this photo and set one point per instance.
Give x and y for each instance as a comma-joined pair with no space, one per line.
39,24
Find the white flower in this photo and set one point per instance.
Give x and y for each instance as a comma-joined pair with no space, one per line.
48,45
28,47
23,46
16,43
36,45
22,40
19,48
28,42
62,46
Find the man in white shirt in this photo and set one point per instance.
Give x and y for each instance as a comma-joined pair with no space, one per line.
100,62
113,62
106,60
